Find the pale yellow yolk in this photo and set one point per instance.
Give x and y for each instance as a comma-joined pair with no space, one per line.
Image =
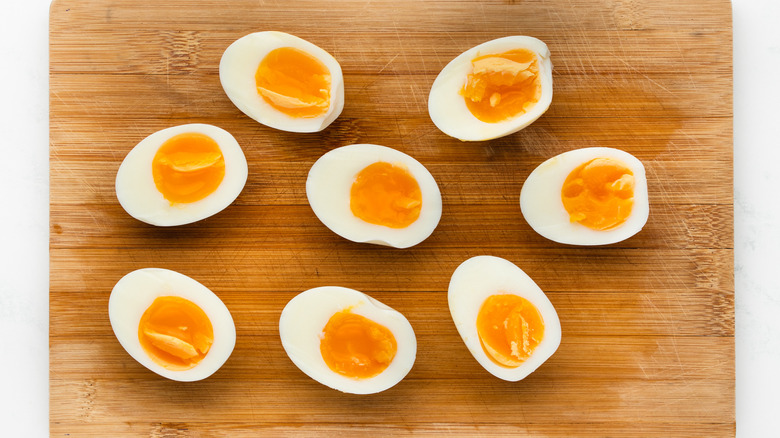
386,194
188,167
355,346
175,333
502,86
509,329
294,82
599,194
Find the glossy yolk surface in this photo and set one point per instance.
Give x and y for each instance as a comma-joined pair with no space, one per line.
355,346
502,86
188,167
599,194
294,82
509,328
175,332
386,194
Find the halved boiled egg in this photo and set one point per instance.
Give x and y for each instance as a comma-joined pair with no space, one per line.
181,175
283,81
374,194
590,196
506,321
347,340
171,324
494,89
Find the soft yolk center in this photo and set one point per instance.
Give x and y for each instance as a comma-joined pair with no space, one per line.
188,167
355,346
294,82
599,194
175,333
502,86
386,194
509,328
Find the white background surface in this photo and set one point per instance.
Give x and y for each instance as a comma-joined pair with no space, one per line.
24,217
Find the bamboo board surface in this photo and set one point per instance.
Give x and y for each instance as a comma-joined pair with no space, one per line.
648,324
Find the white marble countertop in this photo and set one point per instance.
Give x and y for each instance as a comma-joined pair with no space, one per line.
24,219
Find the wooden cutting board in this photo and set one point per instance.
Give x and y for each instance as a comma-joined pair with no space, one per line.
648,324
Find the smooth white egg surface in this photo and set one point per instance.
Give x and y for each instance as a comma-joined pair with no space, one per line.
181,175
171,324
506,321
607,196
283,81
369,346
374,194
494,89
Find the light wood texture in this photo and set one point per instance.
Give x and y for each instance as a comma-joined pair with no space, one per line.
648,324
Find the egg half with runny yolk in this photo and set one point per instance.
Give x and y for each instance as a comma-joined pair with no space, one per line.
374,194
283,81
494,89
506,321
589,196
171,324
181,175
347,340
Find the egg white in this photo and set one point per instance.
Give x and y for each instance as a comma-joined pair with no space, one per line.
328,190
138,195
136,291
237,70
542,207
305,316
448,110
472,283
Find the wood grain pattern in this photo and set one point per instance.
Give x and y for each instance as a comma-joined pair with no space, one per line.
648,324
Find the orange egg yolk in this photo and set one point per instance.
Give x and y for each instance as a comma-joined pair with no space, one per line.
386,194
294,82
188,167
599,194
509,329
502,86
355,346
175,333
